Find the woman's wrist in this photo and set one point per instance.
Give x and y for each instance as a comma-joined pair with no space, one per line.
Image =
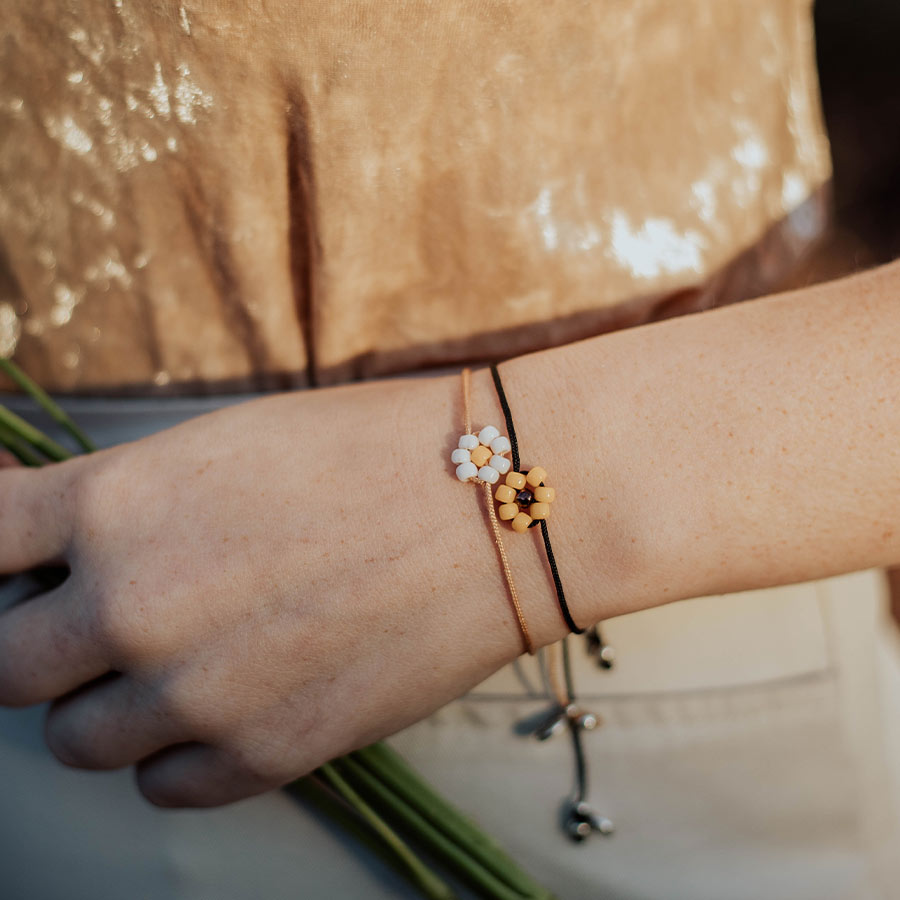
599,526
582,525
464,558
737,448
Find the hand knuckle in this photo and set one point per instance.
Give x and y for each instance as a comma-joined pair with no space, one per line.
159,792
13,690
67,743
182,706
263,760
25,498
169,791
120,625
12,693
92,494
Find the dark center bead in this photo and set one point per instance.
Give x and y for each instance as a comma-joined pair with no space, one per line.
525,497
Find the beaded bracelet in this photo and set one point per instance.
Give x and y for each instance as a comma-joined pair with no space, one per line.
525,501
539,506
482,458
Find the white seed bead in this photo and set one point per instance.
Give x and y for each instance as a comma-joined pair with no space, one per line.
500,463
460,456
487,434
501,444
467,442
488,474
466,470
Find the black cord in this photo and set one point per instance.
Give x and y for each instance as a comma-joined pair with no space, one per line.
504,405
581,780
578,816
581,777
560,593
551,559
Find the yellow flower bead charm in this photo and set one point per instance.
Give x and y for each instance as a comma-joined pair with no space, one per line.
508,511
516,480
521,522
524,498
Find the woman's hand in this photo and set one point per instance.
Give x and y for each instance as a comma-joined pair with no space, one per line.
258,590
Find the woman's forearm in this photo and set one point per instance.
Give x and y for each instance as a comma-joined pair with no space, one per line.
266,608
742,447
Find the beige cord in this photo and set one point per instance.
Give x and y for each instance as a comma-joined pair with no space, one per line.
495,525
553,672
467,399
513,593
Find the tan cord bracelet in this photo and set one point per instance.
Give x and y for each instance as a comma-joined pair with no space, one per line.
482,458
525,502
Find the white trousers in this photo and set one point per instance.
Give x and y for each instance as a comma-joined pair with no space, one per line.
750,748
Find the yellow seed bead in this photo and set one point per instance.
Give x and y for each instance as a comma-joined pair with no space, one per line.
544,494
521,522
508,511
539,510
480,455
516,480
535,476
504,494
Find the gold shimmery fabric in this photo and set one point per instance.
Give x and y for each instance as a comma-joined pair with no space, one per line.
244,195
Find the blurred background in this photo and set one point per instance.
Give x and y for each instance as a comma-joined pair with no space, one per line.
858,47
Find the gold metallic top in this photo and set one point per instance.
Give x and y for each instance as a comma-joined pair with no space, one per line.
221,194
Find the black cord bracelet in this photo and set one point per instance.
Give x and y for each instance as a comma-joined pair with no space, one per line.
580,819
545,533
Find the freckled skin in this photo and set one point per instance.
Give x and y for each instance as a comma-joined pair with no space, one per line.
249,640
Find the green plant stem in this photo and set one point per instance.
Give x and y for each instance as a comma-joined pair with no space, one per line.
43,399
488,885
18,447
391,769
33,436
313,791
427,881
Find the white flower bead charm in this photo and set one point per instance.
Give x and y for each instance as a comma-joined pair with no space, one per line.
466,471
487,434
500,463
500,444
482,457
488,474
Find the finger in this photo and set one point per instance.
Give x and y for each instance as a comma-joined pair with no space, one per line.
200,775
49,646
111,723
7,460
35,522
